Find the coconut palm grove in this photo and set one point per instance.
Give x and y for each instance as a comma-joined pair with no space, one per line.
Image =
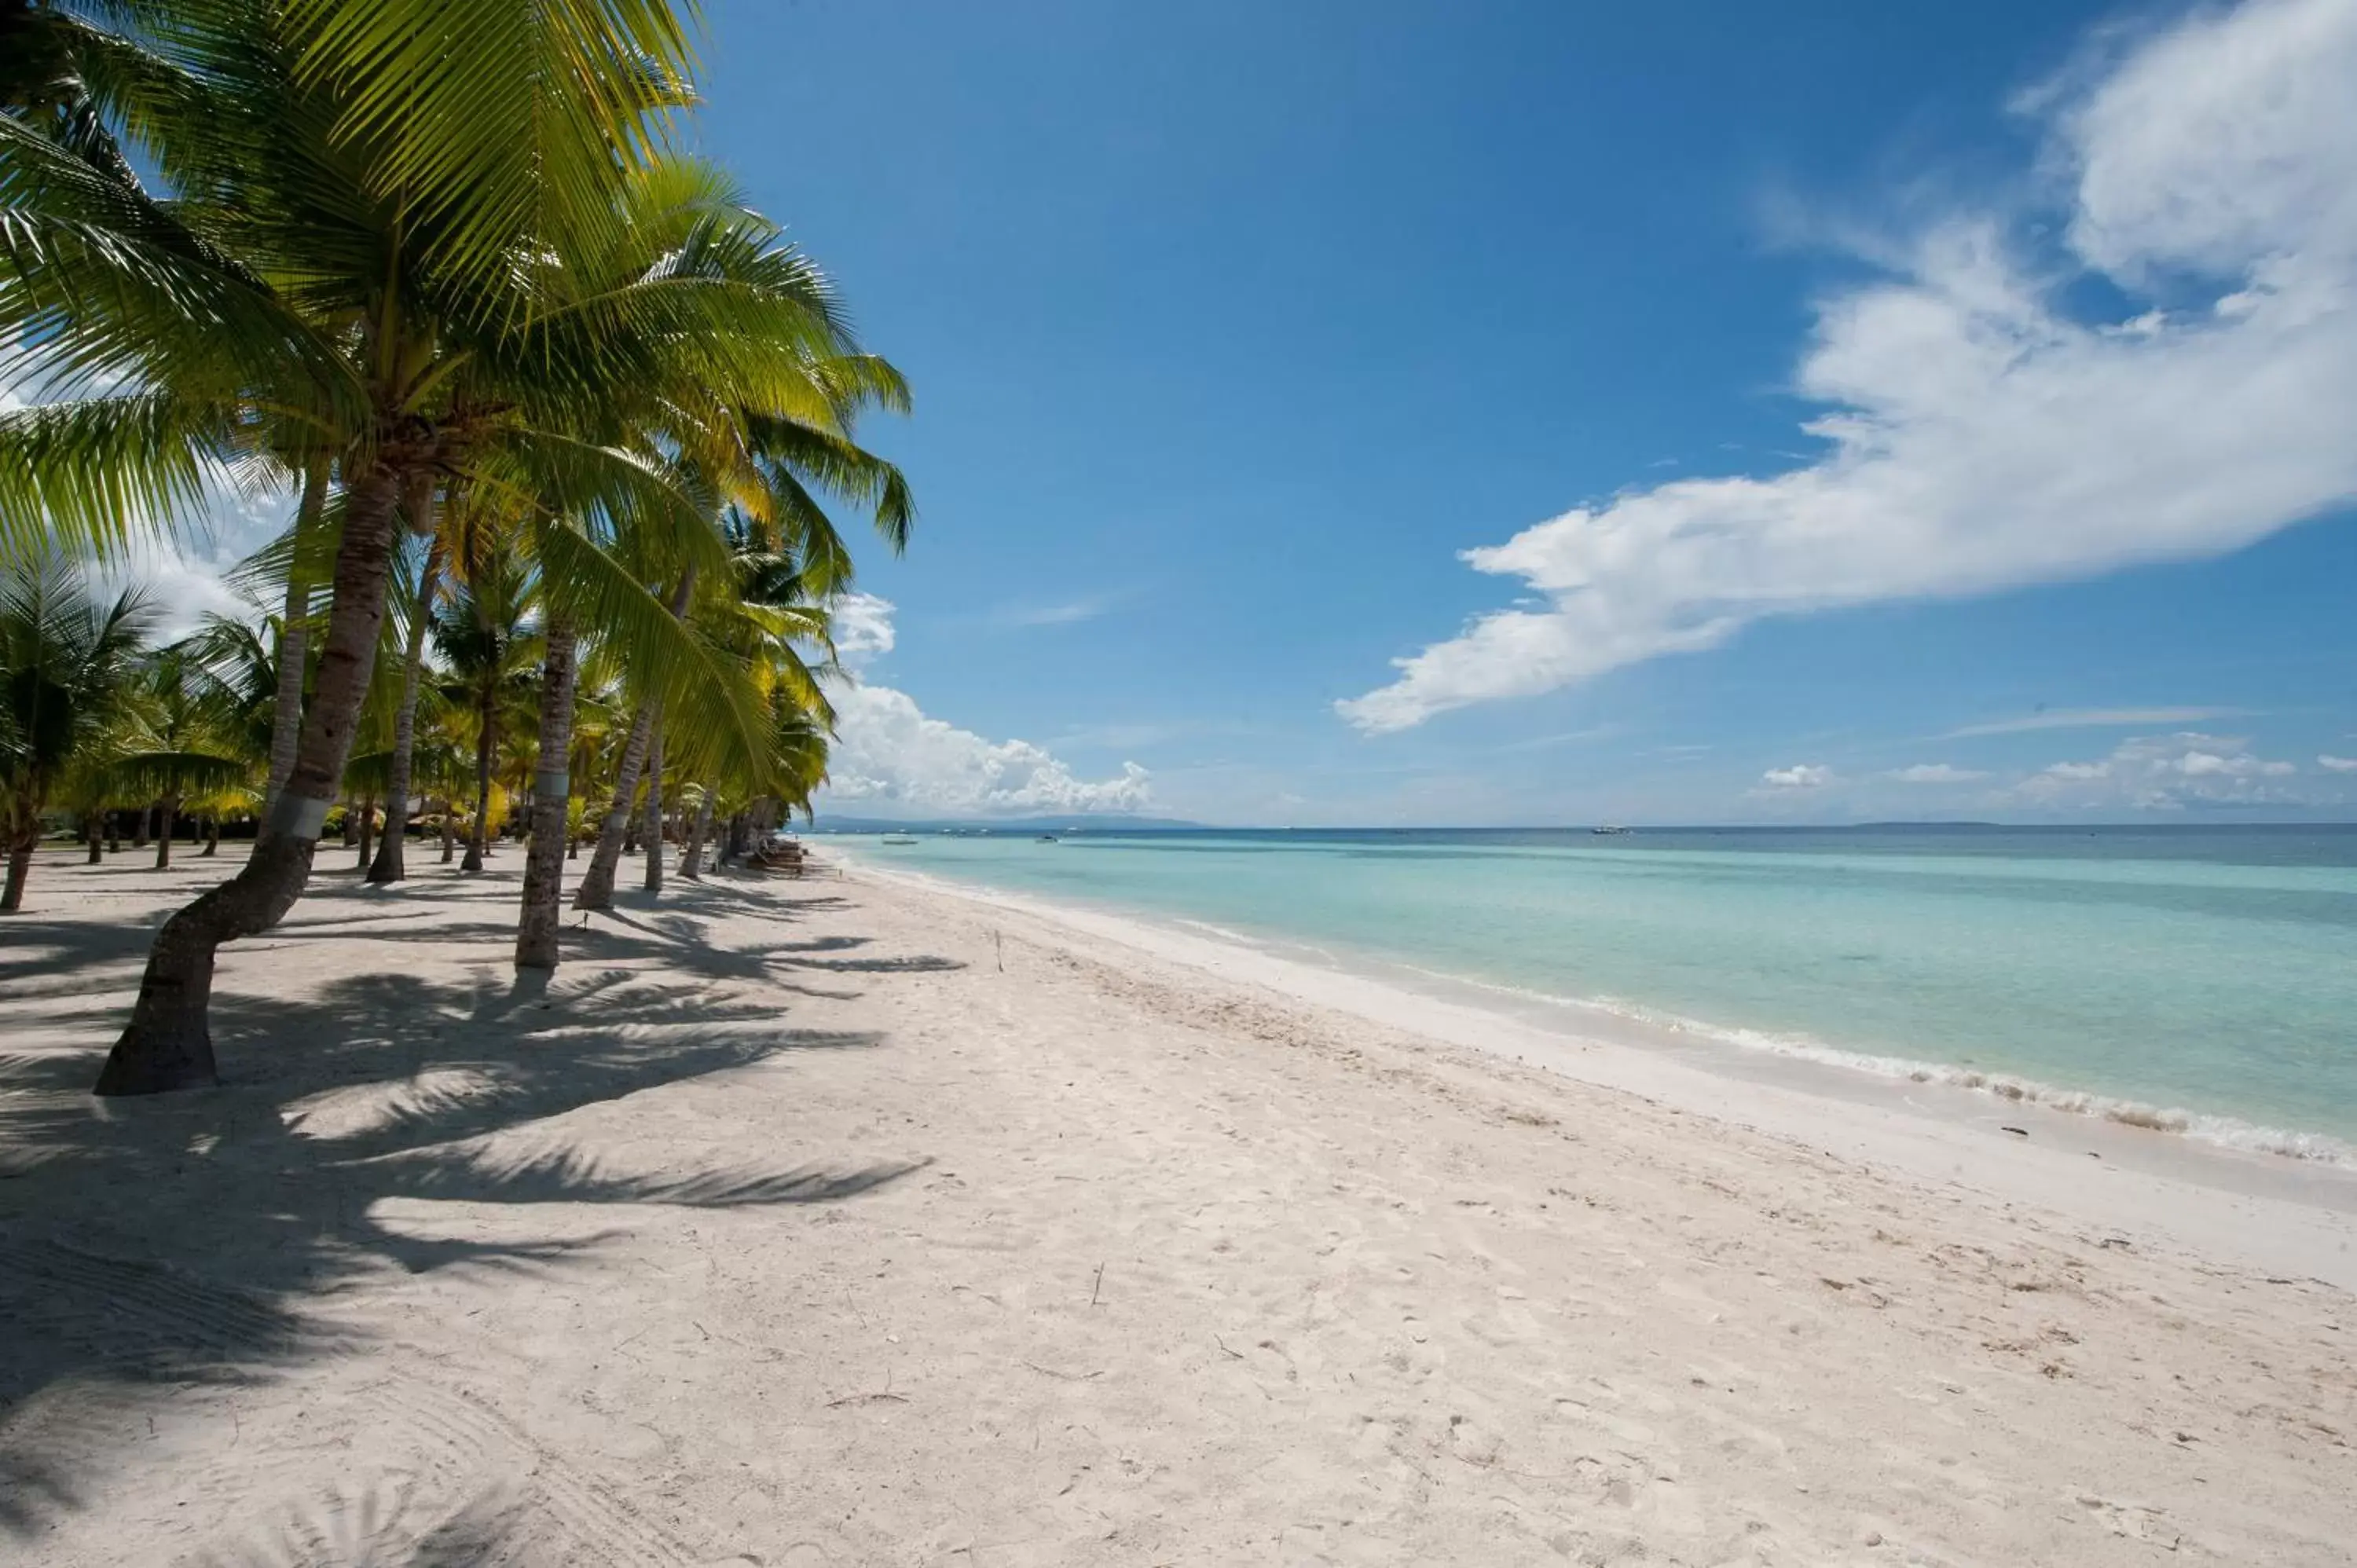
568,432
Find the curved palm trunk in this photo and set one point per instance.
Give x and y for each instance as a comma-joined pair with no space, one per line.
691,858
596,891
652,829
212,835
20,865
388,865
169,812
486,740
552,799
169,1044
294,639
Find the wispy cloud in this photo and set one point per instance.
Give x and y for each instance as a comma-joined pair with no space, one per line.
1934,773
1066,614
1980,433
2094,718
1565,737
2331,764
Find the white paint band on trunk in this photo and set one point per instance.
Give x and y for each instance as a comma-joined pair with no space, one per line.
551,786
299,816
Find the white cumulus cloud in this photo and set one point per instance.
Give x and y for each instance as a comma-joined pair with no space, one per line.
2164,773
863,628
2331,764
889,754
1799,776
1934,773
1980,435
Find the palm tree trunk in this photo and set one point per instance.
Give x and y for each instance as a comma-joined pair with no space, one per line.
169,1043
691,858
596,890
20,865
654,823
168,812
486,742
93,829
146,820
293,638
114,830
368,832
450,830
212,835
388,866
552,801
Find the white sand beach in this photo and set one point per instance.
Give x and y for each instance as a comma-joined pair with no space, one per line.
855,1221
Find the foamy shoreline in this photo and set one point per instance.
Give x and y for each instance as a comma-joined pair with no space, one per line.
2177,1174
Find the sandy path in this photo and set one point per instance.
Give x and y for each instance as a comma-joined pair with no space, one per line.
787,1228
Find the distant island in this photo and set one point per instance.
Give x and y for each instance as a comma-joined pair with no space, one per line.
1079,822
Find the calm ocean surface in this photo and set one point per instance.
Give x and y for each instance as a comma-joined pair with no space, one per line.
2119,970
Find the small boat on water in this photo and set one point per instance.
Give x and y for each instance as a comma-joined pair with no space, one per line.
1045,838
900,838
1607,831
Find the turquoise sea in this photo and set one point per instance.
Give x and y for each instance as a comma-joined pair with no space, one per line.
2198,979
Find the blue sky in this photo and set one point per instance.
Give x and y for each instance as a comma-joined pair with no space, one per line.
1231,327
1234,327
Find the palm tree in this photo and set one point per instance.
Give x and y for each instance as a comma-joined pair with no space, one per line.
376,213
181,740
681,221
391,863
485,637
765,480
67,660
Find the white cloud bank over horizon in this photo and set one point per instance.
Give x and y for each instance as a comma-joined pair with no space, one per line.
1983,438
888,752
2164,773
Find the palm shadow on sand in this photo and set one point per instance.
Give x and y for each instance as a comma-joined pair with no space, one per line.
115,1217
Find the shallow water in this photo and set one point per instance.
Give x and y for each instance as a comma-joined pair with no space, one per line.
2131,972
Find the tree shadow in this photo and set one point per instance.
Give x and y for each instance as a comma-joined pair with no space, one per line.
148,1245
54,958
685,940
